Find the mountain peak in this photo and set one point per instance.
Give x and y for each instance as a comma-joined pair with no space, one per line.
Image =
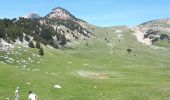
57,9
60,13
33,15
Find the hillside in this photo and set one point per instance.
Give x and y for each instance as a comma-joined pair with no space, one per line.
55,32
156,32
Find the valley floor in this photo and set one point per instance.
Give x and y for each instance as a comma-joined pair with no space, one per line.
101,70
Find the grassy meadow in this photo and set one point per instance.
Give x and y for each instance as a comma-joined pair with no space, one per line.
94,69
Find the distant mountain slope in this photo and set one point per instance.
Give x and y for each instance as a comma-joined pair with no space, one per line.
56,29
32,16
156,32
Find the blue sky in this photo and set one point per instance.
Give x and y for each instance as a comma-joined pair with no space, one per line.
98,12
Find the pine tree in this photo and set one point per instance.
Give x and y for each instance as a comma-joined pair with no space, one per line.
27,38
63,40
38,45
31,44
41,51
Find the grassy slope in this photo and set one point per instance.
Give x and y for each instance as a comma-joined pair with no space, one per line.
141,77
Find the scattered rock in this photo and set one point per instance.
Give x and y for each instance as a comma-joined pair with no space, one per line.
119,36
70,62
85,64
28,83
24,66
57,86
5,46
35,70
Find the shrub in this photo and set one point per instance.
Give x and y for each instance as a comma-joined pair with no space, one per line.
38,45
63,40
150,32
164,37
31,44
27,38
41,51
129,50
155,40
21,38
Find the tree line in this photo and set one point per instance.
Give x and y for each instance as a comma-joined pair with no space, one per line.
12,29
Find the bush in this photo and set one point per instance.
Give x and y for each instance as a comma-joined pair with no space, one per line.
38,45
129,50
150,32
27,38
31,44
164,37
21,38
68,31
41,51
155,40
64,40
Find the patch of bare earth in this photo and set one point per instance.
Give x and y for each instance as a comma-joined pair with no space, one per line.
96,75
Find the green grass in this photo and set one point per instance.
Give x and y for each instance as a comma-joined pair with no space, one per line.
141,77
163,43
